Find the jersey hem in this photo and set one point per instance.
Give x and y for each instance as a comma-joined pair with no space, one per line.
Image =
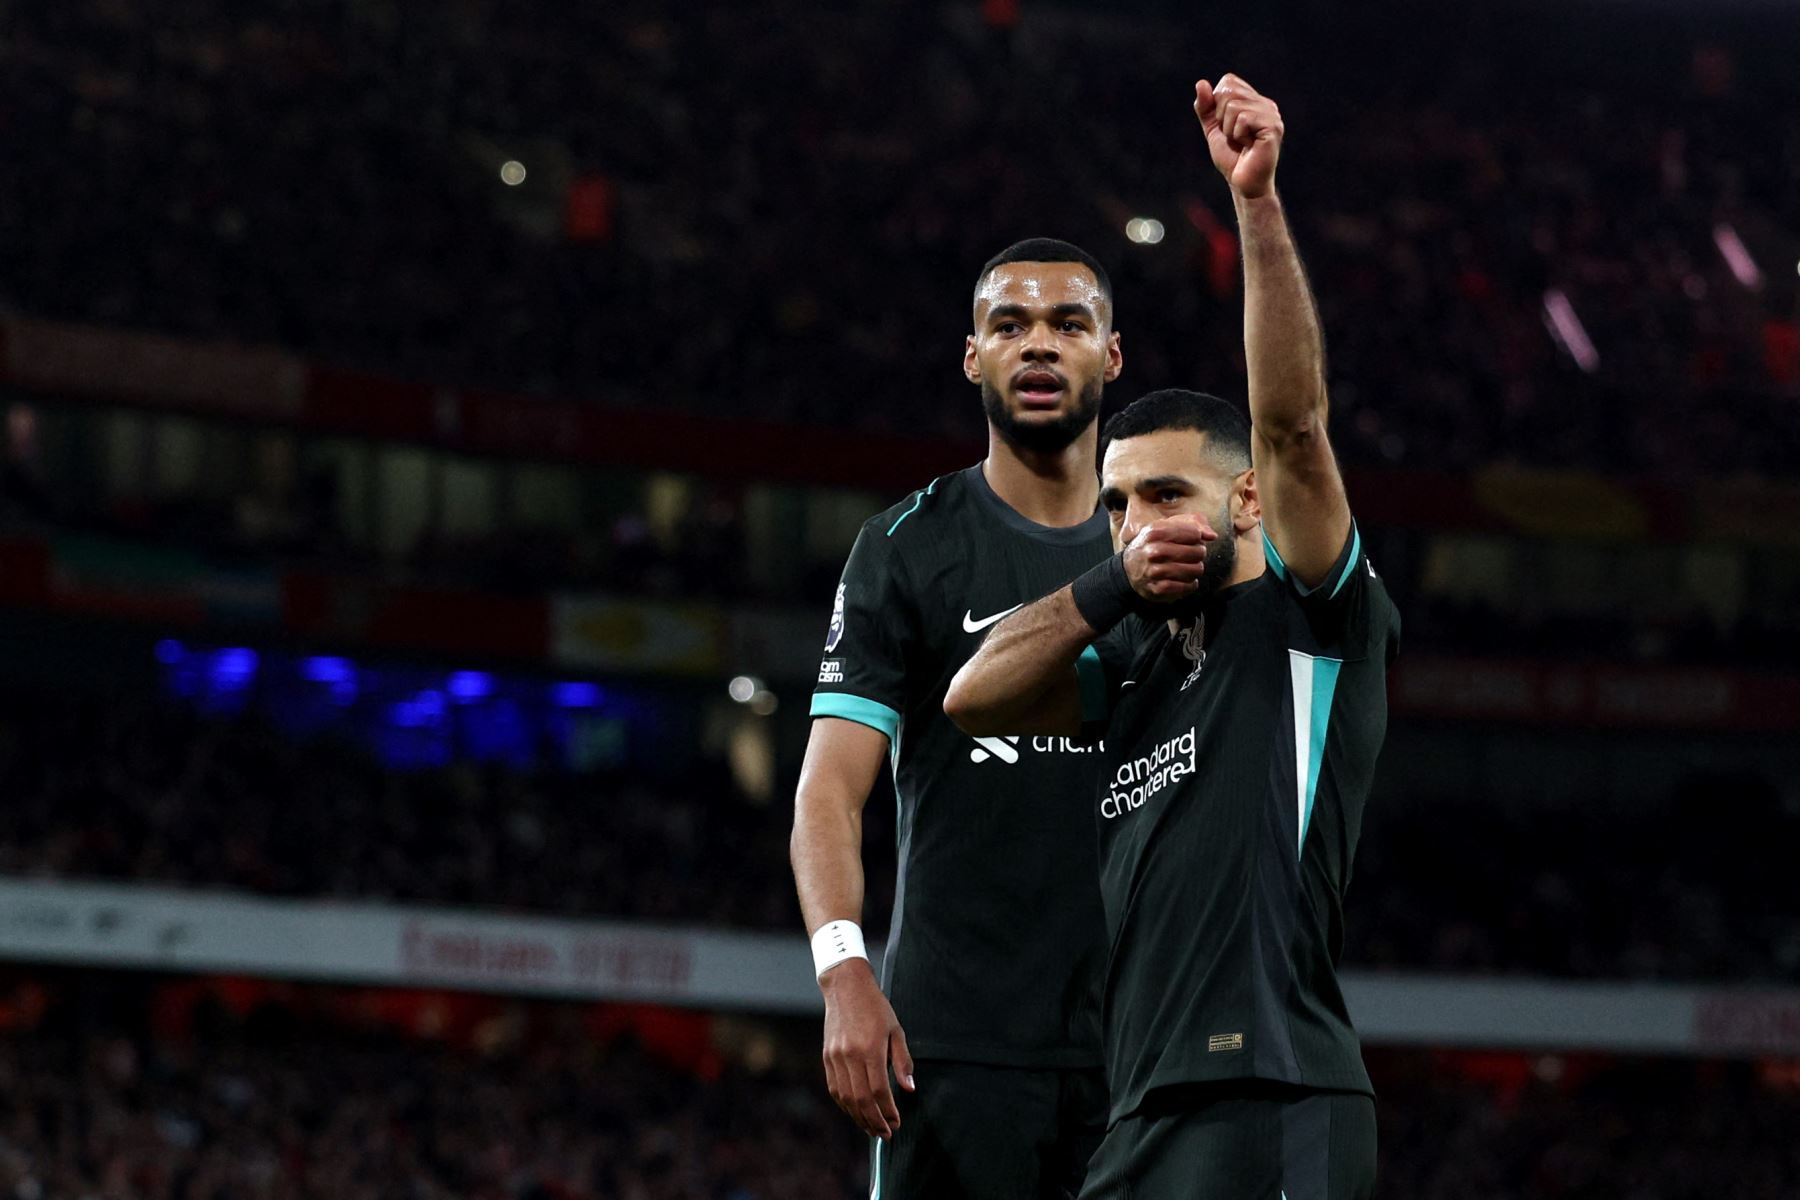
1067,1059
1357,1082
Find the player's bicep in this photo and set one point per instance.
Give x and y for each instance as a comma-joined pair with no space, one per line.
1306,514
843,758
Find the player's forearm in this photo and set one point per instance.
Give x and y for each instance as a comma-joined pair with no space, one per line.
1024,667
1284,349
825,849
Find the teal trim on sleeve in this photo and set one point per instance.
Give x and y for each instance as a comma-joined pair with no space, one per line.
917,500
1280,567
1274,556
1355,553
1092,678
1324,687
854,708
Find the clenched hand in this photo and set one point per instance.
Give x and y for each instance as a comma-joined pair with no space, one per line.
1166,559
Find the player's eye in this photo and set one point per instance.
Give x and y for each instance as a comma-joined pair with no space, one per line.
1007,327
1073,327
1167,496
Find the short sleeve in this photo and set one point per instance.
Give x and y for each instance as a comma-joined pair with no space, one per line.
1102,670
863,673
1350,606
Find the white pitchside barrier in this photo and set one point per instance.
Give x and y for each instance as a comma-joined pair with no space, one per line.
167,929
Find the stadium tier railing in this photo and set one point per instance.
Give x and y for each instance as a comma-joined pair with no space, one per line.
169,930
261,386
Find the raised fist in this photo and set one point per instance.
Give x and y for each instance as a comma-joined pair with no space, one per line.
1243,130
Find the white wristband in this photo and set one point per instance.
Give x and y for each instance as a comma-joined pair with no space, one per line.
835,942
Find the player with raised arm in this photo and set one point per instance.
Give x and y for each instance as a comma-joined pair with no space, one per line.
990,1024
1234,654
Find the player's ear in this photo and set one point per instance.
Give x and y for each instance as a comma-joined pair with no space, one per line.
1246,504
1115,358
971,364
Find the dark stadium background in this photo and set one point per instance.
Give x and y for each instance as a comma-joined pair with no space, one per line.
431,434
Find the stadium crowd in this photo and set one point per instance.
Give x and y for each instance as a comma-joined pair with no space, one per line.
279,1104
710,211
1450,883
298,1097
120,788
117,788
705,552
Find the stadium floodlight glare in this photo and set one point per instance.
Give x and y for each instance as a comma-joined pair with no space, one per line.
743,689
1566,328
764,703
1146,231
512,172
1737,255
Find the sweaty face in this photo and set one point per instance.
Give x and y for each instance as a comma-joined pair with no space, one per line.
1164,474
1042,351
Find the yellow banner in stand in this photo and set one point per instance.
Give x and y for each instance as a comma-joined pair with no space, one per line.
611,634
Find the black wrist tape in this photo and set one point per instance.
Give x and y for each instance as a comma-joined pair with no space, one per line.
1103,595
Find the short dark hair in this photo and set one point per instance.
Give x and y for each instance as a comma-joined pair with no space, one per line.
1047,250
1227,430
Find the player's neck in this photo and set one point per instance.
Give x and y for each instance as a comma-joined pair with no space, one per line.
1056,488
1251,561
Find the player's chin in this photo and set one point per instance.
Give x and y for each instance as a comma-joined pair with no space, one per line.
1047,406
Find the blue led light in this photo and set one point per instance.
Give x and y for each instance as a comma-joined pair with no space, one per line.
426,708
465,687
498,732
328,670
576,695
233,668
410,716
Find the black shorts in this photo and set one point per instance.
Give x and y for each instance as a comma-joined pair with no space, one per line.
975,1132
1239,1141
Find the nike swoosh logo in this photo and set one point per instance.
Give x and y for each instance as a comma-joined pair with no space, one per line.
971,625
1128,683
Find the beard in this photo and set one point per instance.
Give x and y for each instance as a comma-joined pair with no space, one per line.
1045,437
1221,560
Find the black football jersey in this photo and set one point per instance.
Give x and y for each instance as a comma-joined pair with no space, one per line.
997,945
1240,745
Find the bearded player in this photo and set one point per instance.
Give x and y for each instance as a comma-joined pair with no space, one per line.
989,1024
1242,646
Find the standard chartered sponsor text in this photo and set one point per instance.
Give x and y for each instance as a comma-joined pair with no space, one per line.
1138,780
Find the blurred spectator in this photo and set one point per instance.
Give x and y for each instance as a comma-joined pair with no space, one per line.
299,1096
706,209
283,1104
117,788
